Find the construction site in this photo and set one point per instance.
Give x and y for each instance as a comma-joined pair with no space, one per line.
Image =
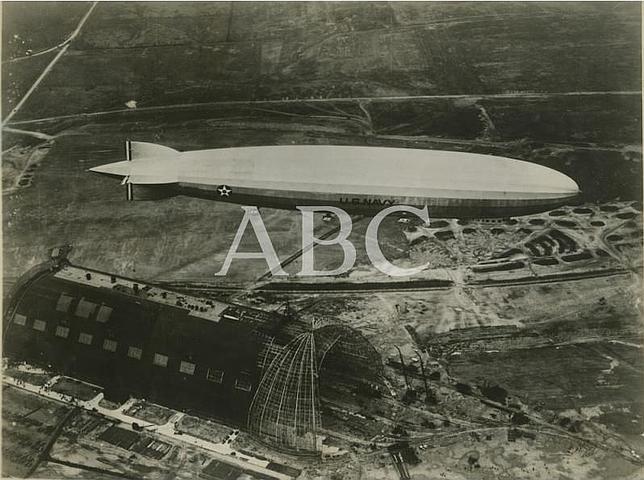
308,382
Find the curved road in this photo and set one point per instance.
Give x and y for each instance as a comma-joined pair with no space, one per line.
328,100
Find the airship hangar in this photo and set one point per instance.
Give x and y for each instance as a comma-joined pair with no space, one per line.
264,371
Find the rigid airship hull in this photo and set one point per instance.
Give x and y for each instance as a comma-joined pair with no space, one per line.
358,179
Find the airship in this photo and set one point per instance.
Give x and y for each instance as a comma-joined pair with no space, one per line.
359,179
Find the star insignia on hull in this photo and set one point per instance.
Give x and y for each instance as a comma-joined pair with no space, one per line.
224,190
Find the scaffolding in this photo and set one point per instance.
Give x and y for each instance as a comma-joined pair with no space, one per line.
285,410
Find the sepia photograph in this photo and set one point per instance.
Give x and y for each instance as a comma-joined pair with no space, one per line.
311,240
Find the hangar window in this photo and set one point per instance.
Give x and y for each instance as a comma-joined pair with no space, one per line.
20,319
187,367
243,384
104,314
110,345
134,352
160,360
64,301
62,332
216,376
85,308
85,338
40,325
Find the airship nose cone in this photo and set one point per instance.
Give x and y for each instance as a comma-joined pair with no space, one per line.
544,180
119,169
568,185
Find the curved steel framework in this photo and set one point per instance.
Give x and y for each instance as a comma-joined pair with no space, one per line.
285,411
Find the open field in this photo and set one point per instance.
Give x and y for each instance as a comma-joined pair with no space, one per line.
28,425
543,458
573,376
202,428
164,54
29,40
76,389
26,28
19,77
150,413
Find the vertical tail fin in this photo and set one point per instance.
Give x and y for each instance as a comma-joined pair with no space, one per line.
140,168
129,190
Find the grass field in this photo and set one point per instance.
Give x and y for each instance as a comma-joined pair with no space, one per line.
150,413
26,32
27,28
564,377
75,389
183,53
27,423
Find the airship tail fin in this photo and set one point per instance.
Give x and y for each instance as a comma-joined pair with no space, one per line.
139,150
151,183
129,190
136,150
